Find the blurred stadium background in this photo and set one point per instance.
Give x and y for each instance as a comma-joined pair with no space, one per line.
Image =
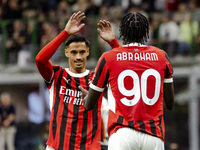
27,26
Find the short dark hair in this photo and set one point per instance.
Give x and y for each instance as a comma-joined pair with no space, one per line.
134,27
76,38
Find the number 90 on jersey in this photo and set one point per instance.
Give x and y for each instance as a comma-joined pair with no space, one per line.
140,87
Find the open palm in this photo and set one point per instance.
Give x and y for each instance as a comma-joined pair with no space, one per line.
105,30
74,24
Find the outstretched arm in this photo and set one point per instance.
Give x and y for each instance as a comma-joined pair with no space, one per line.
42,59
106,32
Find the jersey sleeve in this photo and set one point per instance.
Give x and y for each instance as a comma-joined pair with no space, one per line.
168,70
101,75
114,43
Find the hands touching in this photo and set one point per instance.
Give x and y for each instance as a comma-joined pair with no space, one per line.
74,25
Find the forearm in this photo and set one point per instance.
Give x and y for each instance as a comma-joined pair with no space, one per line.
48,51
91,99
42,59
168,95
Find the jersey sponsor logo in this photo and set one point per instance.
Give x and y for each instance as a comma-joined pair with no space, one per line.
71,96
137,56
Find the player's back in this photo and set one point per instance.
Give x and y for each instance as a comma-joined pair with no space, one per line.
136,77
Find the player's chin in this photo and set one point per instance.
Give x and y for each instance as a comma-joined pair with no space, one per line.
79,67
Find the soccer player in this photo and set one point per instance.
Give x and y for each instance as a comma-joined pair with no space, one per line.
139,79
71,126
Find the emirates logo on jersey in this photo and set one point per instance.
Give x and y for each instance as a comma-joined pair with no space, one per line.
71,96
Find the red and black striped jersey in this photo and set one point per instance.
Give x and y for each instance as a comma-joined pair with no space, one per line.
135,76
71,126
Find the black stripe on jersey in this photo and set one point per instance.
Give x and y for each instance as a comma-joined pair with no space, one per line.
142,126
120,120
92,73
160,119
56,68
64,118
98,74
131,124
84,130
106,79
167,72
85,120
167,57
95,121
56,104
75,120
153,127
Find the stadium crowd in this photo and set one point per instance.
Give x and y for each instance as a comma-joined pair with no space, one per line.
26,26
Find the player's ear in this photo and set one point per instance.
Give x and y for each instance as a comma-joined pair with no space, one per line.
88,51
67,52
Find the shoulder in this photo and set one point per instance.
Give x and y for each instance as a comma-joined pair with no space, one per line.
56,68
157,50
110,53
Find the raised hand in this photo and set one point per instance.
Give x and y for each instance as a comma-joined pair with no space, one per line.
105,31
74,24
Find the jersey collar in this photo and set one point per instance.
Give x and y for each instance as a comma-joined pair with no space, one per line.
78,75
134,44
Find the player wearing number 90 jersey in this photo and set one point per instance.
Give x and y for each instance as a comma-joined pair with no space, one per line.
138,78
136,75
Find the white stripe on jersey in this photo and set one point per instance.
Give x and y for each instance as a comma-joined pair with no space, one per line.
111,100
78,75
170,80
51,95
94,87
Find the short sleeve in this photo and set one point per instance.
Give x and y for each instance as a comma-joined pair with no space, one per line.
101,75
168,70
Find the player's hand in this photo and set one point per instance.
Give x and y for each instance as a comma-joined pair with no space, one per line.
74,24
105,31
84,92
